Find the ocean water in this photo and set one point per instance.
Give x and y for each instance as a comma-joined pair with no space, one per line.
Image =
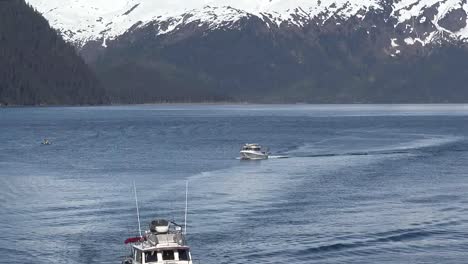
354,184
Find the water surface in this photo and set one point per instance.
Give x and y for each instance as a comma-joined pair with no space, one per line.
361,184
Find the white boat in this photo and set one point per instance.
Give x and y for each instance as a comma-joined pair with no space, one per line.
253,152
164,243
46,142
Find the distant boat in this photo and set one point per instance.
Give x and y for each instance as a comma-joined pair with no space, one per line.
253,152
46,142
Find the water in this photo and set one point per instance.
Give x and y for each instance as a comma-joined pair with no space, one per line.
360,184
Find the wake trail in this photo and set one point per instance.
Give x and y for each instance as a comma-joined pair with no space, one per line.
416,146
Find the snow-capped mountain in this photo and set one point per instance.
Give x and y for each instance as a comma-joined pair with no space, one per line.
270,50
83,20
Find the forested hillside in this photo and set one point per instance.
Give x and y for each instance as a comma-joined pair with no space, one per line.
37,67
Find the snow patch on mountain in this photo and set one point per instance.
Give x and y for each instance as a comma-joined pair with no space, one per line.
407,10
82,20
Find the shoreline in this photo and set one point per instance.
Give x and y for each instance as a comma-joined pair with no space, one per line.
235,104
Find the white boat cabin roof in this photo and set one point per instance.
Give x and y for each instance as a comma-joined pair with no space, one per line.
160,247
252,145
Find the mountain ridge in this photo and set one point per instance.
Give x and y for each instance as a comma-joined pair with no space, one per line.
81,21
329,51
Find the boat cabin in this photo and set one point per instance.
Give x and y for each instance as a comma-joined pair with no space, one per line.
176,255
252,147
163,243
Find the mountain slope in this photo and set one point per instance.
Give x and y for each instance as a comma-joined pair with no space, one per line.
316,65
38,67
271,50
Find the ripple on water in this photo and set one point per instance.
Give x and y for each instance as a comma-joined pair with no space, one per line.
355,188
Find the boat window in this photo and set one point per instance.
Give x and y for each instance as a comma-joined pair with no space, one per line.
168,255
138,256
151,257
183,254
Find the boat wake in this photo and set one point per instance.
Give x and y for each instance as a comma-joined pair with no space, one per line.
279,157
426,144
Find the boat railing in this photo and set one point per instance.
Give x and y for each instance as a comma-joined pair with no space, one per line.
168,238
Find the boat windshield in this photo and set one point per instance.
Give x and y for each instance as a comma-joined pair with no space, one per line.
137,256
252,148
183,255
168,255
151,257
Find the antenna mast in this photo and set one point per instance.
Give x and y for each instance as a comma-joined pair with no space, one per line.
186,207
138,210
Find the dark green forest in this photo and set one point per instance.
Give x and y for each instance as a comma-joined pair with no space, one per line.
37,67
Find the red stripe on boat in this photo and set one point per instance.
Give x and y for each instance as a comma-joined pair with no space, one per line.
134,240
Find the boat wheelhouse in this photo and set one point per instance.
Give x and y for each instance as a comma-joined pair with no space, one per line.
163,243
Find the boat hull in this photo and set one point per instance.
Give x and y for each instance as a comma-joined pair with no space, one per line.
253,155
